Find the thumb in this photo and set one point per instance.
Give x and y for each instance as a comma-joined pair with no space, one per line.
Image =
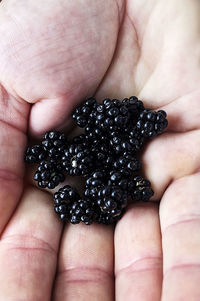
55,62
53,113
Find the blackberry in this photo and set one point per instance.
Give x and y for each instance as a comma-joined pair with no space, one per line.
140,189
92,132
35,154
82,210
116,116
77,160
72,208
112,199
102,154
134,138
48,174
53,143
134,106
127,164
127,141
93,184
107,218
106,154
82,114
63,200
151,123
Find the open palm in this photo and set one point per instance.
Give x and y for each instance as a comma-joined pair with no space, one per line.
53,54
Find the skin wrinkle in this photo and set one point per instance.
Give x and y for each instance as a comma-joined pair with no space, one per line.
181,266
15,109
115,47
27,243
140,46
141,264
16,128
10,175
85,274
182,220
137,41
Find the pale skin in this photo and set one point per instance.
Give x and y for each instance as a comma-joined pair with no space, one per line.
53,54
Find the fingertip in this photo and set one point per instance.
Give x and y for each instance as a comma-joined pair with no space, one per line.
50,114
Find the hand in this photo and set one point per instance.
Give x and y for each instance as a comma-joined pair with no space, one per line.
52,56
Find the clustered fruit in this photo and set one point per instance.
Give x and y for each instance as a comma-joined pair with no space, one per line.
105,155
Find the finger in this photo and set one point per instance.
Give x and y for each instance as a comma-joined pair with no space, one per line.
28,249
177,113
138,254
13,114
169,157
180,225
62,63
85,270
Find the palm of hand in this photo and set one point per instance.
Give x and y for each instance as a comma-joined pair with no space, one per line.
50,58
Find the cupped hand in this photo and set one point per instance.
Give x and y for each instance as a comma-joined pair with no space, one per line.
54,54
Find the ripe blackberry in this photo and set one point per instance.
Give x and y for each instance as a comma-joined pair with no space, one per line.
82,114
48,174
93,132
109,199
63,200
151,123
106,153
35,154
115,116
53,143
134,106
140,189
82,210
101,152
127,164
93,184
77,160
134,138
107,218
127,141
112,199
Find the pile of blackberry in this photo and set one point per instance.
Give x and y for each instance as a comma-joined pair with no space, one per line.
105,155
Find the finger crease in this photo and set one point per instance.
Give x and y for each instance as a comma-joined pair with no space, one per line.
27,242
189,219
85,274
143,264
182,266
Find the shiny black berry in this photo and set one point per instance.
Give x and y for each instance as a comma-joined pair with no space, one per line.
35,154
48,174
140,189
53,143
77,160
151,123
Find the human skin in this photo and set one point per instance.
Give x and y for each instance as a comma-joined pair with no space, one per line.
54,54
